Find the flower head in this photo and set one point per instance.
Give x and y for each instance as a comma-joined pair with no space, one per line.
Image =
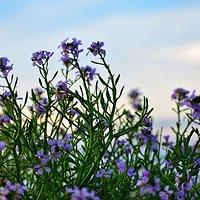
41,106
164,195
2,145
121,165
82,194
70,48
104,173
61,89
96,48
88,72
41,57
131,172
4,67
180,94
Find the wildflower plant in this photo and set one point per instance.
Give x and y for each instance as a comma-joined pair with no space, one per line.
76,143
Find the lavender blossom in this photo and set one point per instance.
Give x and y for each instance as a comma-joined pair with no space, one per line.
131,172
121,165
4,67
135,99
41,167
82,194
14,190
96,48
41,57
197,162
61,89
2,145
104,173
180,94
57,146
164,195
6,94
41,106
88,72
168,164
3,120
70,48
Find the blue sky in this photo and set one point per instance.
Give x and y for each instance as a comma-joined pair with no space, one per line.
154,45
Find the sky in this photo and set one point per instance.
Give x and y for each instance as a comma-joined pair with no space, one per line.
154,45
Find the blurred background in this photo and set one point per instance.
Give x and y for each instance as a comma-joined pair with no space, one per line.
154,45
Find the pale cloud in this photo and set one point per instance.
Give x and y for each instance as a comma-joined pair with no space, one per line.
154,51
187,53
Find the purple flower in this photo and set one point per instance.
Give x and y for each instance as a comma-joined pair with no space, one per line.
2,145
166,138
41,106
4,67
197,162
192,102
105,123
61,89
38,92
144,179
180,195
68,138
121,142
166,193
14,190
104,173
135,98
41,57
180,94
43,158
88,72
70,48
6,94
120,165
178,178
73,112
82,194
134,94
168,164
96,48
186,186
4,119
146,187
148,138
57,146
131,172
40,168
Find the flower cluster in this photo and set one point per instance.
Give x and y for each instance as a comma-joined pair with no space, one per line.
109,153
56,146
41,57
5,119
4,67
88,72
12,191
180,94
70,48
96,48
2,145
61,89
135,99
82,194
145,185
104,173
41,167
192,101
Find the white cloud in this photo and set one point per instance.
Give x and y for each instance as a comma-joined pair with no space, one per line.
154,51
